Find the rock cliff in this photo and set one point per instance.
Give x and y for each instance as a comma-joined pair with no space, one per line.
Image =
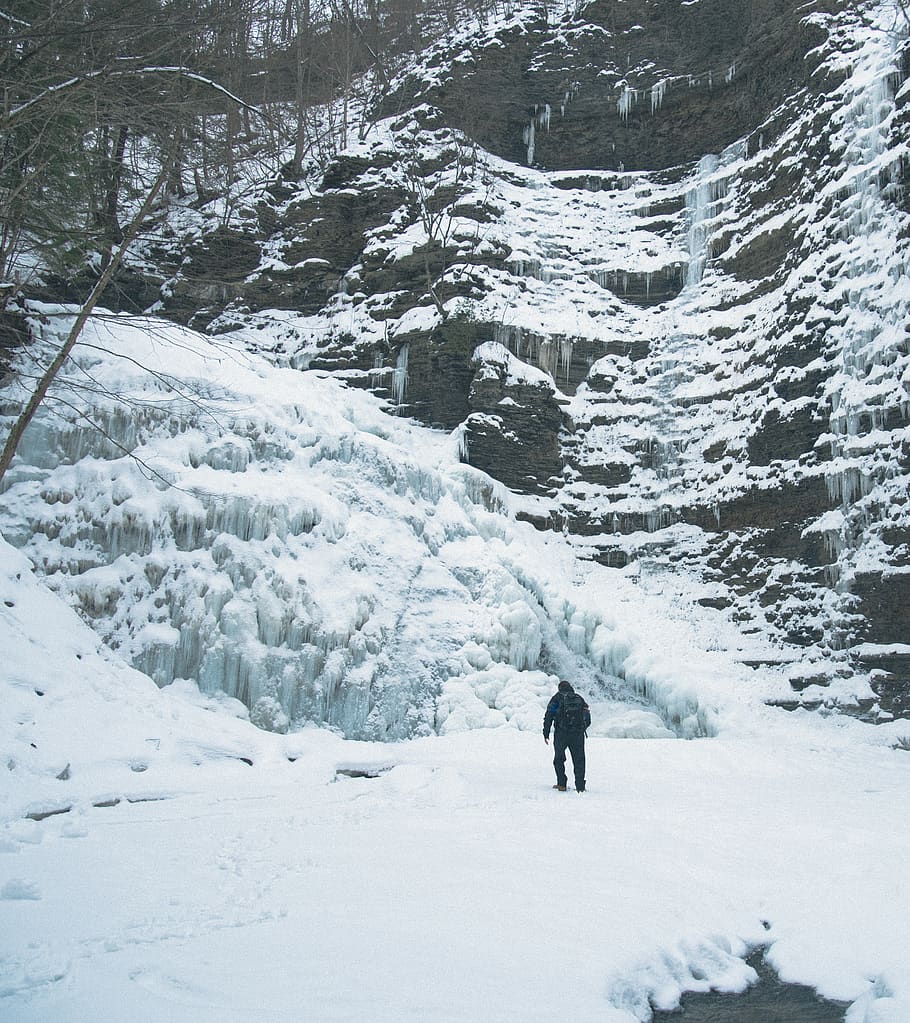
650,258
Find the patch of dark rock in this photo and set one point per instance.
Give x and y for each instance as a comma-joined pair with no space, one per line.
604,474
798,384
786,435
64,775
225,255
718,603
801,349
595,182
9,603
792,705
440,372
715,452
763,662
798,684
42,815
770,1000
884,603
363,772
513,430
891,691
14,334
765,508
543,523
761,258
661,227
645,289
805,636
898,541
769,595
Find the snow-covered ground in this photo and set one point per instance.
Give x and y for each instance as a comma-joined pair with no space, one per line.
162,858
172,880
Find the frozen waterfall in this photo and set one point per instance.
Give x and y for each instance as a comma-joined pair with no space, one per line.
289,545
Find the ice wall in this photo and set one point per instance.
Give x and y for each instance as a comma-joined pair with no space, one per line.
708,198
285,541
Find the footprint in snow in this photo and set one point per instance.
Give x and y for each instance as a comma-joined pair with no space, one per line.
16,888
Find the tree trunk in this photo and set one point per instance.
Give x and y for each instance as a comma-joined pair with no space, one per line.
43,385
110,224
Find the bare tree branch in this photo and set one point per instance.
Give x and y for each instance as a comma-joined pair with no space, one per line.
40,392
52,92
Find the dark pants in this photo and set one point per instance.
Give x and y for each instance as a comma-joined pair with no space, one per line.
574,742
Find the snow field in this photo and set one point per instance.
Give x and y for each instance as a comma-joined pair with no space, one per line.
198,868
459,883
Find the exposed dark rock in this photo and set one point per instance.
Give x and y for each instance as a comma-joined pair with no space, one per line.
440,373
884,603
726,66
224,255
513,429
14,333
646,289
787,436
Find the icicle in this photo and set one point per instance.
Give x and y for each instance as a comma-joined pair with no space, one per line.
566,349
461,438
529,141
698,204
657,95
625,102
400,376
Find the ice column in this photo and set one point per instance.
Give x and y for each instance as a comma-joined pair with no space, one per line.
871,322
529,142
400,376
699,202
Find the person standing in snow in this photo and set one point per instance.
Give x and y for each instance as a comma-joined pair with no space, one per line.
569,715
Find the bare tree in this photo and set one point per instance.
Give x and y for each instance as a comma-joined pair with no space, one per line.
433,196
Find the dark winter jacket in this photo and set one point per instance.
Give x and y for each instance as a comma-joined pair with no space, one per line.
551,718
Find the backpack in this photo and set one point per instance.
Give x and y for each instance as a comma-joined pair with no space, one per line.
571,713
